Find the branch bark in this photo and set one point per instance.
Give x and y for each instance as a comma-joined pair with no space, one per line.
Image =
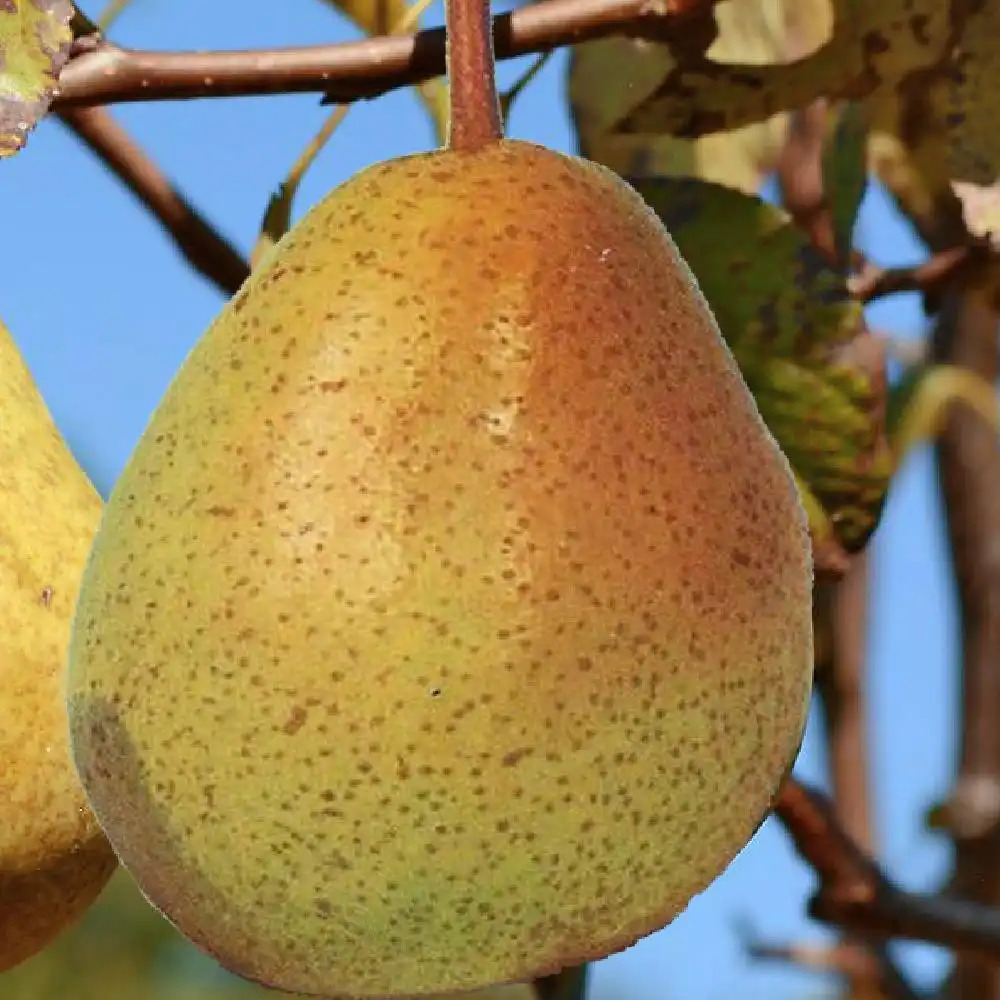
931,277
855,895
205,248
843,608
104,73
969,477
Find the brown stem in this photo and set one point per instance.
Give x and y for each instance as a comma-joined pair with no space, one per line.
350,71
475,106
570,984
207,251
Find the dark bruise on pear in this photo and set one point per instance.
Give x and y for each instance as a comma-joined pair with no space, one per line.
451,622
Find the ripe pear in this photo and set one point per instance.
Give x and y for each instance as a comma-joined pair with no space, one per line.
451,621
54,859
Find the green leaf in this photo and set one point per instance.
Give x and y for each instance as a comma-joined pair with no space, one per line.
34,44
792,326
872,45
845,176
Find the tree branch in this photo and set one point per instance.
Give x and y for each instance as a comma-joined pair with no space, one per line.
207,251
969,476
930,277
854,893
106,73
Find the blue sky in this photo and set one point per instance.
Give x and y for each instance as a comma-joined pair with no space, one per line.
105,310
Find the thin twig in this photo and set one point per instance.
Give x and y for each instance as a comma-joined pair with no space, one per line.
842,959
845,959
929,277
207,251
349,71
854,893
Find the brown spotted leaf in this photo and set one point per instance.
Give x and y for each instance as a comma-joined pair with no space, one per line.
800,342
972,109
936,132
871,45
607,75
34,45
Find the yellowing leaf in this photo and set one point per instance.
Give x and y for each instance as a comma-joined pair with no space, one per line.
915,168
607,76
793,329
980,209
34,45
112,10
278,215
383,17
937,132
920,403
872,45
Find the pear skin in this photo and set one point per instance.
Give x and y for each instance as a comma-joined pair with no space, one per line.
54,859
451,621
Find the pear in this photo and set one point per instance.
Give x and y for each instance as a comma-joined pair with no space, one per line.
451,621
54,859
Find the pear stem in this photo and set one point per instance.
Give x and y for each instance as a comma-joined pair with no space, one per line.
475,107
